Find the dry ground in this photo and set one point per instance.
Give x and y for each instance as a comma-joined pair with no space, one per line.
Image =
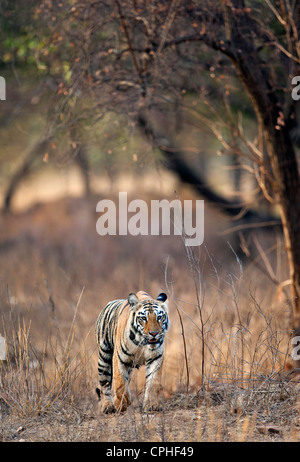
185,418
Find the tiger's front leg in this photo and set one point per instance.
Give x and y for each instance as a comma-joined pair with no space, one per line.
121,379
153,392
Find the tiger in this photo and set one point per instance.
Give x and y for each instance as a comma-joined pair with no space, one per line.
130,333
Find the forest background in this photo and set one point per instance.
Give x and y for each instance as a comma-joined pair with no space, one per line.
162,100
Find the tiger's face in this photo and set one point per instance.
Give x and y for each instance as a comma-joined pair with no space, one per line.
150,318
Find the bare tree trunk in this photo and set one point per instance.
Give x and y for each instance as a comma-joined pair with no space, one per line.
286,175
283,161
81,159
175,161
39,148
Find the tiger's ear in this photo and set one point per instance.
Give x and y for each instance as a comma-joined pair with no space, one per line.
162,297
133,301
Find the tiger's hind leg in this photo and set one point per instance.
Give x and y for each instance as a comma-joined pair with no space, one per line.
105,379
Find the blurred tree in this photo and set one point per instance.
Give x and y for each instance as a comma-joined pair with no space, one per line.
222,66
30,79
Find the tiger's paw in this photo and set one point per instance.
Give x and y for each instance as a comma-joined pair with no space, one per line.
122,408
122,401
107,407
121,405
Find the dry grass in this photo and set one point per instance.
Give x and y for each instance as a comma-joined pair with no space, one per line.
224,374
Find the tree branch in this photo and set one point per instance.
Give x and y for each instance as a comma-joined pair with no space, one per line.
174,160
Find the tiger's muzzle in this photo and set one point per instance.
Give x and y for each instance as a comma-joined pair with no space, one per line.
154,337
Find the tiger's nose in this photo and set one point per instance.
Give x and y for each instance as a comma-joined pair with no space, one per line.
154,333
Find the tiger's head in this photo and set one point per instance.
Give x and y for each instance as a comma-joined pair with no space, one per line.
151,318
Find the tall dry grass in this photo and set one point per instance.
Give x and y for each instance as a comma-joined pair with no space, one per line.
226,351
